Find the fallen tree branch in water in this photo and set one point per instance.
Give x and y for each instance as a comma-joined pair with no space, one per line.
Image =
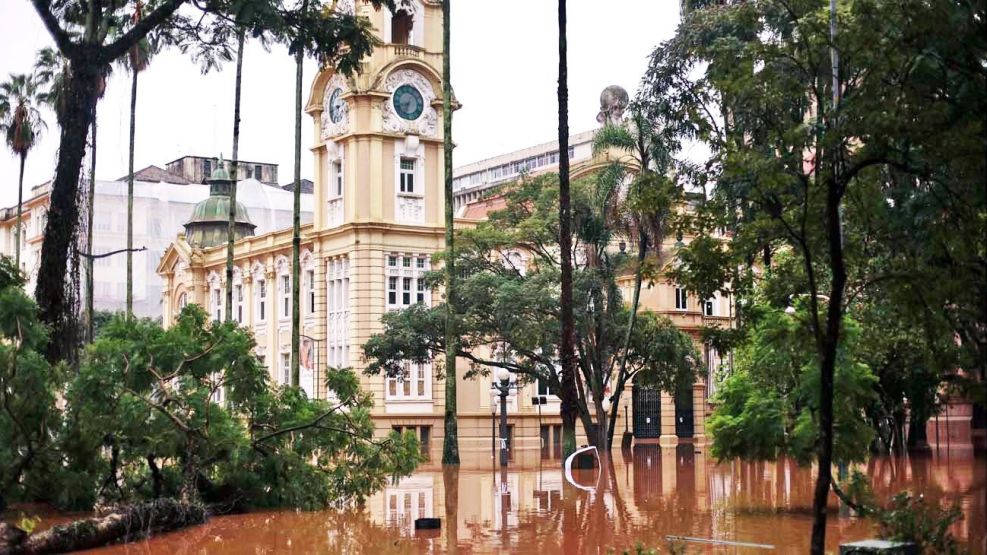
123,524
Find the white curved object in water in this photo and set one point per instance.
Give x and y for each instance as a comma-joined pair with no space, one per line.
572,457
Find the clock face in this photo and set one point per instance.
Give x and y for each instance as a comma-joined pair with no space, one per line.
336,105
408,102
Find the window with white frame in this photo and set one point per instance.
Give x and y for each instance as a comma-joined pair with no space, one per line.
285,287
338,312
217,303
414,383
681,298
261,286
310,290
337,177
709,307
238,302
407,177
182,300
285,368
405,280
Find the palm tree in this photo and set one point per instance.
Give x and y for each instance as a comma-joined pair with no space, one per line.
231,226
136,61
22,125
645,213
450,442
568,393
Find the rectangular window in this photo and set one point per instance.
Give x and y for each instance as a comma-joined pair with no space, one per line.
709,307
407,175
405,261
420,298
261,300
544,387
285,296
420,263
406,291
238,298
412,384
206,169
392,261
681,299
285,368
425,438
392,290
337,176
311,291
258,172
217,303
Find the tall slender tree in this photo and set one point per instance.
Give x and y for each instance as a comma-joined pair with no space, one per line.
450,443
296,222
22,125
231,226
339,40
568,393
137,60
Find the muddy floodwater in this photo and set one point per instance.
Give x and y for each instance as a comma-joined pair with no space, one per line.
652,494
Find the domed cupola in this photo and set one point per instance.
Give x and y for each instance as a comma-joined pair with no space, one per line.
208,225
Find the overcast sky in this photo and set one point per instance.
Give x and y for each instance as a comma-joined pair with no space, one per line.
504,64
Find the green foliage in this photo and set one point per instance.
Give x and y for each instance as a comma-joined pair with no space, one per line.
912,518
187,412
509,303
768,406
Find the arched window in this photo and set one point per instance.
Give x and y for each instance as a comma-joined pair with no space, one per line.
401,23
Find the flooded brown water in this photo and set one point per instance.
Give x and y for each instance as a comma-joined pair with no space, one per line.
650,495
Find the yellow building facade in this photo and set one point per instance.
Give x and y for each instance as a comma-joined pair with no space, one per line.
378,219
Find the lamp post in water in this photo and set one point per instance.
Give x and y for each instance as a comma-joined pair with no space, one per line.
504,385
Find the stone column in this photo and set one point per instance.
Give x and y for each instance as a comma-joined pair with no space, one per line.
668,437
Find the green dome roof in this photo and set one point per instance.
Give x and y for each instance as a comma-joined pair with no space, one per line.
209,223
220,172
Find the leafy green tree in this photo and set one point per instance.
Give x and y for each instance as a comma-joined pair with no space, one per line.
22,125
509,310
189,412
765,408
812,132
28,390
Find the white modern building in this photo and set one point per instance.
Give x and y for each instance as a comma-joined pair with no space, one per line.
163,203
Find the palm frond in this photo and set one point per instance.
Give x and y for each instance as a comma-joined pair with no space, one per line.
613,136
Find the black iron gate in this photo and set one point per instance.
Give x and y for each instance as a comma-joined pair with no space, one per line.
684,425
647,412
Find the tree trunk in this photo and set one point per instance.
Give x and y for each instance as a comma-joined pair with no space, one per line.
566,355
63,211
642,253
130,195
234,174
125,524
450,443
450,481
296,234
20,207
90,261
917,435
834,313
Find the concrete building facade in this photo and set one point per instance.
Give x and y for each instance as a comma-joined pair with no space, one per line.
163,203
378,218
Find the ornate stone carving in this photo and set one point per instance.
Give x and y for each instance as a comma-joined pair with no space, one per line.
347,7
411,209
329,127
427,122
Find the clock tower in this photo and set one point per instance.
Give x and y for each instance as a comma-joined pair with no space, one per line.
378,134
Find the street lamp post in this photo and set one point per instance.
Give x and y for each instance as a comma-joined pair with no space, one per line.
504,385
493,423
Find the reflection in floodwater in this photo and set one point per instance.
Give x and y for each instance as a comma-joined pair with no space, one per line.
644,496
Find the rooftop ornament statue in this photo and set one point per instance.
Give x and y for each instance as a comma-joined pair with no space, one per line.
613,102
